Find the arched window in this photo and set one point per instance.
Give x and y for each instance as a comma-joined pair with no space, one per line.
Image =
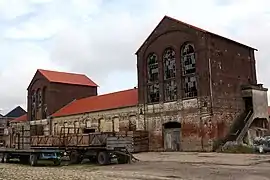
33,105
188,59
169,63
170,88
44,105
152,66
153,78
39,98
189,71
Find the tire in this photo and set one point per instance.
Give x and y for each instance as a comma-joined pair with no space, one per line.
2,158
103,158
33,159
57,162
5,158
75,158
122,159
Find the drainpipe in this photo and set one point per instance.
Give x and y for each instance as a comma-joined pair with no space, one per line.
210,79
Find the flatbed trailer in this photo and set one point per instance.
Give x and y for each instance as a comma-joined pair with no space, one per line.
30,155
97,147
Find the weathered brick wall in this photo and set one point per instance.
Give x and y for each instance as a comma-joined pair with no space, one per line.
199,129
56,95
232,65
186,112
103,121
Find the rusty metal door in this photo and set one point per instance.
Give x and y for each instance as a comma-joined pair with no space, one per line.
172,139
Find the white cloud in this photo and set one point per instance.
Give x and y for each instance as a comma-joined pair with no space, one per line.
10,9
100,37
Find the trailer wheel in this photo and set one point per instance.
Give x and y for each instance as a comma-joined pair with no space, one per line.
33,159
75,157
5,158
57,162
1,157
103,158
122,159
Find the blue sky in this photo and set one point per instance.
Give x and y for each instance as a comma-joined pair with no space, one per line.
100,37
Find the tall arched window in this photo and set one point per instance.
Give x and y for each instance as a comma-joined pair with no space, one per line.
33,105
39,98
189,71
44,103
153,78
170,88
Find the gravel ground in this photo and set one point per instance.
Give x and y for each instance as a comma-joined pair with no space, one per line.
153,166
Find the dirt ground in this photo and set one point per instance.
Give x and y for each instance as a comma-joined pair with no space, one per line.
154,166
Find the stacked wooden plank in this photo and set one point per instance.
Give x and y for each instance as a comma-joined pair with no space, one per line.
134,141
21,136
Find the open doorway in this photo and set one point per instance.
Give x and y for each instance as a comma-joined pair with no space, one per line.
172,136
248,104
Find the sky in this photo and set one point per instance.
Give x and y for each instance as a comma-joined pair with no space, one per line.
100,37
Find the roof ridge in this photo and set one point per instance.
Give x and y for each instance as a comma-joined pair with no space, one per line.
62,72
67,77
115,92
191,26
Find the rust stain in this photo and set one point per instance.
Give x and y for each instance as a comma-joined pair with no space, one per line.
189,129
221,129
155,140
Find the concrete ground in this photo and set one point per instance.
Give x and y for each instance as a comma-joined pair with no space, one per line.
154,166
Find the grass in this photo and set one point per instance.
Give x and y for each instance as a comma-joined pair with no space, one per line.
238,149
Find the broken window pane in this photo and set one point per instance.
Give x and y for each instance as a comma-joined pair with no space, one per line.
39,96
188,59
152,64
33,105
170,91
190,87
153,93
169,63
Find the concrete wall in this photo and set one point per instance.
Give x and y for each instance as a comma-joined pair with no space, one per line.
260,103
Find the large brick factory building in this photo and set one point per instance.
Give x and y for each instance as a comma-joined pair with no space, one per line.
195,88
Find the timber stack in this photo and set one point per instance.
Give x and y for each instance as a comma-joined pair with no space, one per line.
134,141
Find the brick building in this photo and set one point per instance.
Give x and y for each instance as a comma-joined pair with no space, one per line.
195,90
190,85
104,113
49,91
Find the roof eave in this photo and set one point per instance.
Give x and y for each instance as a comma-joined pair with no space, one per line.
110,109
152,32
199,29
232,41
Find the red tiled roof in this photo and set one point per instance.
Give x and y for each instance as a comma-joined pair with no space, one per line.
102,102
194,27
22,118
67,78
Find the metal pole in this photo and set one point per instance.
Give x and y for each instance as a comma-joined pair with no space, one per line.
210,85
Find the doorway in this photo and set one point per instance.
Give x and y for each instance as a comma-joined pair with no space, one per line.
248,104
172,136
